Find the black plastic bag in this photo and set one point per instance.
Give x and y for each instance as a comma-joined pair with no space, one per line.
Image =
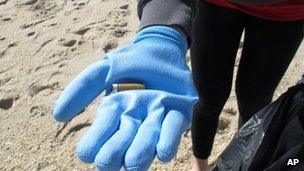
270,139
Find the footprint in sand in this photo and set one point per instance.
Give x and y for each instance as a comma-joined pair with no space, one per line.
7,103
44,45
35,88
38,110
82,31
77,125
54,74
67,43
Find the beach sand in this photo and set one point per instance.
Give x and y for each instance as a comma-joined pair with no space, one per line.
43,46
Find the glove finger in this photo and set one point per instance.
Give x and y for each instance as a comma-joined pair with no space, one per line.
174,125
81,91
141,152
111,155
103,127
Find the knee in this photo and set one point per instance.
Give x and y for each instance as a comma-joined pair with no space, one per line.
251,100
211,105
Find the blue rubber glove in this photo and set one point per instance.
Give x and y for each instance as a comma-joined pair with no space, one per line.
133,126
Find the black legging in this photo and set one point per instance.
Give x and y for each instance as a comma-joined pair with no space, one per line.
268,49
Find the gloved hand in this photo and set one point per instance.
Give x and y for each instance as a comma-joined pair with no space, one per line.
133,126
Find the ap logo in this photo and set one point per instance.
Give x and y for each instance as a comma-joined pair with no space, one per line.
292,162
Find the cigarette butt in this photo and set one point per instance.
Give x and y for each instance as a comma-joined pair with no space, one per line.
129,86
125,86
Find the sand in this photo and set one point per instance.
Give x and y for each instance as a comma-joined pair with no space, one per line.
43,45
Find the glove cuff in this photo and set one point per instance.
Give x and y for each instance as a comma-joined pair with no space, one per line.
165,34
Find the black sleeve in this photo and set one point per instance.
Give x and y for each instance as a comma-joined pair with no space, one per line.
176,13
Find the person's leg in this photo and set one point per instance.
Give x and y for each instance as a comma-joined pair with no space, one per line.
269,47
216,35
